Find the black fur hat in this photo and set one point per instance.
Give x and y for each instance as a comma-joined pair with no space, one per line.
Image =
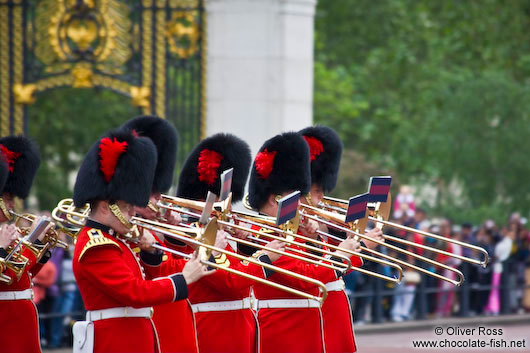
325,150
164,136
4,172
23,160
119,166
208,160
281,165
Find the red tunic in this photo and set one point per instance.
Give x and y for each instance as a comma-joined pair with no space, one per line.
18,318
337,316
109,275
294,329
174,322
232,330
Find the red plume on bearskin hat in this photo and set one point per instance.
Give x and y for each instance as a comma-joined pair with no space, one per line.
164,136
23,160
281,165
119,166
209,159
325,149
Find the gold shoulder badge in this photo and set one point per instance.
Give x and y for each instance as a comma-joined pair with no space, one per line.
222,260
96,238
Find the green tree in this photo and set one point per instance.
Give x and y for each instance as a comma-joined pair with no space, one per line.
65,123
435,90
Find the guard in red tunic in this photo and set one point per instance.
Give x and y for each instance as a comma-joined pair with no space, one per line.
18,315
173,335
221,302
115,177
325,149
287,322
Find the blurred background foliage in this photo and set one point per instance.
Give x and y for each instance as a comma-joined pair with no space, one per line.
434,93
65,122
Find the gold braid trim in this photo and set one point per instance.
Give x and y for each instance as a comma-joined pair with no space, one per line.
96,239
4,209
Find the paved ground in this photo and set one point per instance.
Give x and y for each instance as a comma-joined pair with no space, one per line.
399,337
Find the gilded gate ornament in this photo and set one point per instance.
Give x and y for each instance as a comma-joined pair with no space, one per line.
24,93
152,51
96,32
183,34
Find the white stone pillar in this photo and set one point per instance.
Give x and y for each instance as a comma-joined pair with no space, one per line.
259,67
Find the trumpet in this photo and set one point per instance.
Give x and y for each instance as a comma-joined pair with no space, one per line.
70,216
225,213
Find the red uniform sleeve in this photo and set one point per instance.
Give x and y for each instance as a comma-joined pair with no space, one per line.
231,281
168,265
320,273
105,270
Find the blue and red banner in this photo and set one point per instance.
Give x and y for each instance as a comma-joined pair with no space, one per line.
357,207
379,188
287,207
226,183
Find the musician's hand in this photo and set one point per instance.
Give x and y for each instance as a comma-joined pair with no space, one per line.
348,244
376,234
195,270
146,241
173,218
220,241
43,233
276,245
8,233
309,228
241,234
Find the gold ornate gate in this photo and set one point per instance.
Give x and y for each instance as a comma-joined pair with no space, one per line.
149,50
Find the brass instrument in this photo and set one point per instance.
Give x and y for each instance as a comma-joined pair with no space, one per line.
313,258
225,213
204,238
379,213
17,263
321,219
51,238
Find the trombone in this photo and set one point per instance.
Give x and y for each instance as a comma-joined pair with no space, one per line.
379,213
322,214
74,218
307,257
225,213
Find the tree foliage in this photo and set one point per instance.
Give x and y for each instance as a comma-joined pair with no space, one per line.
437,91
65,123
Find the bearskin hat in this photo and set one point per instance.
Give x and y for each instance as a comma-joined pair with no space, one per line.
23,160
119,166
209,159
325,150
4,172
281,165
164,136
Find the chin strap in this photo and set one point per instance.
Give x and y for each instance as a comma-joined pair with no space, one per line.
4,209
153,207
119,215
309,199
